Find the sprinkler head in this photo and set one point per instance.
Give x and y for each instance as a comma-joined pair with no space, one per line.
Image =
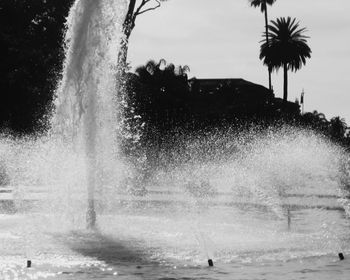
341,256
29,263
210,262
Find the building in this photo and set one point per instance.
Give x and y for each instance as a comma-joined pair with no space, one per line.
237,97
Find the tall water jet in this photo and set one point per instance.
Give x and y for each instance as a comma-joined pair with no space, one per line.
86,109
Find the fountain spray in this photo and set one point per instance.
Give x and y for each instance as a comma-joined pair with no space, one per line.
90,150
86,109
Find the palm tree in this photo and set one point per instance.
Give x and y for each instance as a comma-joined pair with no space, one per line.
263,7
162,77
319,121
147,70
161,72
287,48
183,70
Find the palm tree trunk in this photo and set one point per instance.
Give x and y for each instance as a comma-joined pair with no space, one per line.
285,82
267,41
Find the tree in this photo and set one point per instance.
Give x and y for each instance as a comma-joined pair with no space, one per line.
337,127
129,23
161,81
287,48
316,120
31,56
263,7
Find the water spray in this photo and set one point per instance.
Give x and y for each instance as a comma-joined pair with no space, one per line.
91,215
201,241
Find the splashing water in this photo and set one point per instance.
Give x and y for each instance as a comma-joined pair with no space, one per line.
230,200
86,105
79,154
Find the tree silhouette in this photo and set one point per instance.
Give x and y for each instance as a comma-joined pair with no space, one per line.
161,75
337,127
129,23
316,120
31,56
150,71
263,7
160,86
287,48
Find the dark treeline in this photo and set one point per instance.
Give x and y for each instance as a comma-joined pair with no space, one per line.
31,55
167,105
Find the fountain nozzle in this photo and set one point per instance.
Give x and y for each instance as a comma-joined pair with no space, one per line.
210,262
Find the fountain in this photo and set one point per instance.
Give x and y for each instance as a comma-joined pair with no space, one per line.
85,105
269,202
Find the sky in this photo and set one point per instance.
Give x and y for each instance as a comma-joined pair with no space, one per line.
221,39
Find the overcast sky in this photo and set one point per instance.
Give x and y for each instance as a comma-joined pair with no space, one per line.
220,39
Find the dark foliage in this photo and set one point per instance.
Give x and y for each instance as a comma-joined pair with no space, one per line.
262,4
163,95
31,56
168,105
